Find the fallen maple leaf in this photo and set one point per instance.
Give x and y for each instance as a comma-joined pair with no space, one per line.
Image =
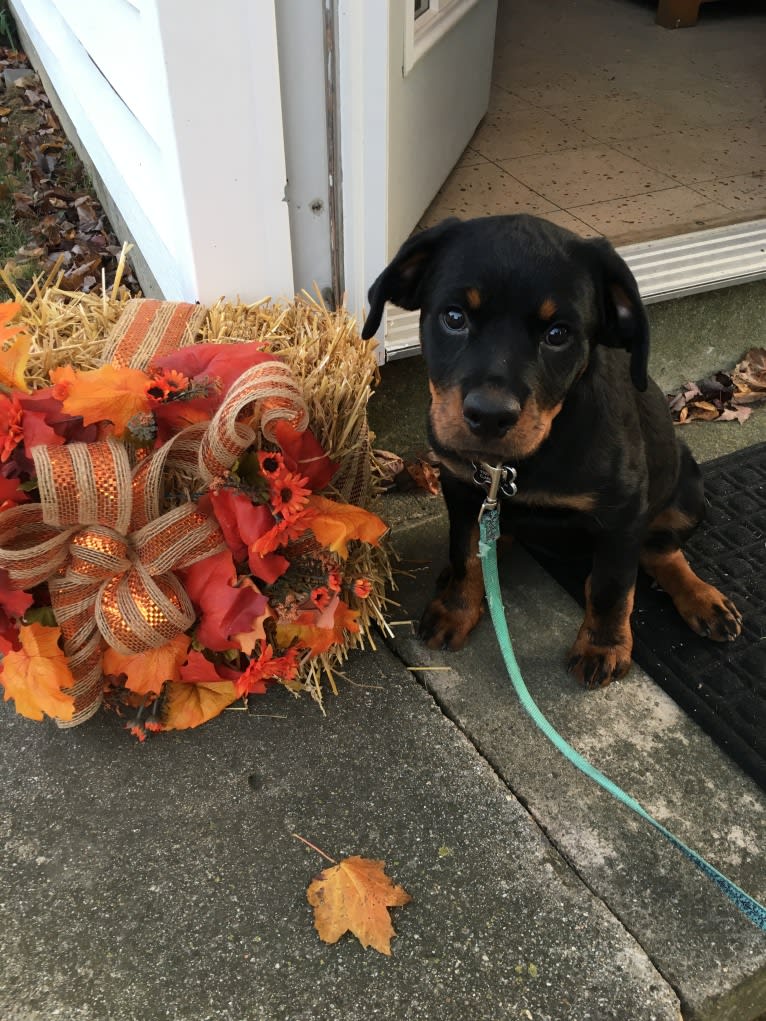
750,374
354,896
389,465
736,414
424,475
34,675
109,394
146,672
188,705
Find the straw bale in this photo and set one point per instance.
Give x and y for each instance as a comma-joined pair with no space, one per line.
325,352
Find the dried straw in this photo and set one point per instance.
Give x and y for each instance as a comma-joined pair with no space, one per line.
322,347
67,326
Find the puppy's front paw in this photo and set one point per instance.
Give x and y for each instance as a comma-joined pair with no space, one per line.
708,612
595,665
446,624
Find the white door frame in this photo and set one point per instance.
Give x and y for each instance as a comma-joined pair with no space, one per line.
362,77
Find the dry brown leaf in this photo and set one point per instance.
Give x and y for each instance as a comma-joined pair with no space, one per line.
425,476
750,373
703,410
736,414
389,466
354,896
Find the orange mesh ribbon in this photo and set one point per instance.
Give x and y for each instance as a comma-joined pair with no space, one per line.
110,582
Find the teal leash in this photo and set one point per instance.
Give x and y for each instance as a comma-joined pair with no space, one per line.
489,524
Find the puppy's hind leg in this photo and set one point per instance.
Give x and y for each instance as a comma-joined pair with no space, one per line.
706,610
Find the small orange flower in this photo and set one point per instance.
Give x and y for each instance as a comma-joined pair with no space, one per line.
267,667
289,664
334,581
362,587
167,383
62,379
321,597
283,532
270,463
288,493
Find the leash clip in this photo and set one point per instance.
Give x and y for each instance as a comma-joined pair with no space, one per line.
497,479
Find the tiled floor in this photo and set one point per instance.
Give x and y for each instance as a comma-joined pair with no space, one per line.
608,124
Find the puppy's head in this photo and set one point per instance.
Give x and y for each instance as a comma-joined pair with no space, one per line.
512,309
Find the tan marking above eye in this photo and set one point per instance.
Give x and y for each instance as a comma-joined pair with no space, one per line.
473,298
548,310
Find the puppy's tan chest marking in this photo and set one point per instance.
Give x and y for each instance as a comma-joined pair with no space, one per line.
583,502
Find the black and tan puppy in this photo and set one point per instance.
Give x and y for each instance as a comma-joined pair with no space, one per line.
536,344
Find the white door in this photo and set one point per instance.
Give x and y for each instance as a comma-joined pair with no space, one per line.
413,82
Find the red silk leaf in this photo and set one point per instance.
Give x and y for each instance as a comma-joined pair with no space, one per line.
14,601
226,608
199,670
243,523
222,362
303,454
10,492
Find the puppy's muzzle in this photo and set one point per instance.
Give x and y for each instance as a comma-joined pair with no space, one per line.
489,414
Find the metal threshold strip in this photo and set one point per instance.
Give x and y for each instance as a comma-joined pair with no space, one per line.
669,268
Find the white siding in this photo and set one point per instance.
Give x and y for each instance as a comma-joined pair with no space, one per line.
180,112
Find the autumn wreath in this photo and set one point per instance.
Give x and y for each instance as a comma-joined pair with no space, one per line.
184,504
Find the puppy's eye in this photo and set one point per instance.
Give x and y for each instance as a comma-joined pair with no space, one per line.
454,318
558,335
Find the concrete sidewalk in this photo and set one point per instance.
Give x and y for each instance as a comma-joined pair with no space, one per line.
162,881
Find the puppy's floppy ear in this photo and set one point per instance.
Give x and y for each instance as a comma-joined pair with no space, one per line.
400,280
622,317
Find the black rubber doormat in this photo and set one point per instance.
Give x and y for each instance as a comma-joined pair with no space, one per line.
722,686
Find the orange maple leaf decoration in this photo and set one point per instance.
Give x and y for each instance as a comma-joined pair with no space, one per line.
34,675
13,360
354,896
188,705
146,672
334,524
109,394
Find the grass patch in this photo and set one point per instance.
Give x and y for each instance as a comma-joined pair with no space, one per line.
51,222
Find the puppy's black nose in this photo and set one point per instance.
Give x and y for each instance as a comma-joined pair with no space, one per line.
489,413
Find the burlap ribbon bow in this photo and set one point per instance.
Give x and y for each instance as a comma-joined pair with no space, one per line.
100,538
